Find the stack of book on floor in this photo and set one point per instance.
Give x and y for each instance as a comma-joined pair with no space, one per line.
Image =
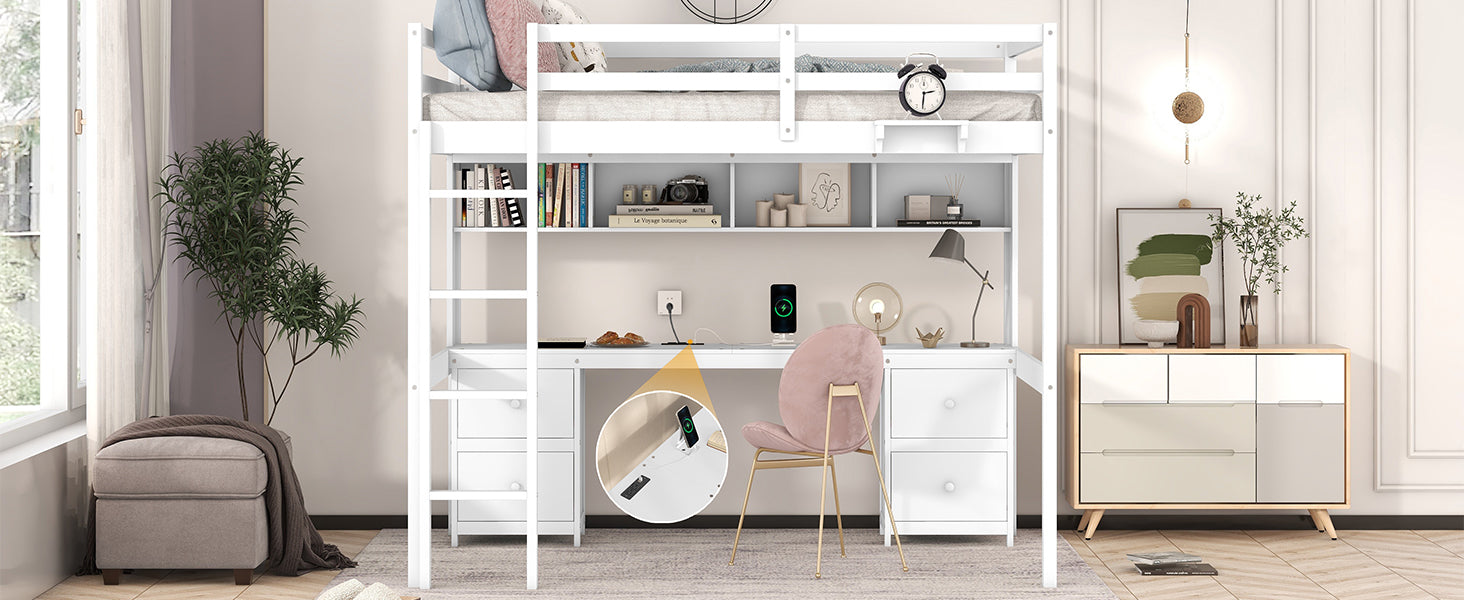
487,212
564,195
665,215
1170,563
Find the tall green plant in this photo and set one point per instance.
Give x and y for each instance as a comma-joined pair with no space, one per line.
1258,236
230,215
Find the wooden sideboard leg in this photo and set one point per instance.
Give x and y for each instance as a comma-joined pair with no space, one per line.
1327,523
111,576
1317,520
1083,522
1097,515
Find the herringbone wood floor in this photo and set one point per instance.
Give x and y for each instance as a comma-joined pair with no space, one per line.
1286,565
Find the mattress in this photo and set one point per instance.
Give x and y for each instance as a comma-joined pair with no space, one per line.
719,106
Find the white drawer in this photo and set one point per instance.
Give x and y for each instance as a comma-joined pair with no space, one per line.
1123,378
507,418
1212,378
505,471
948,403
948,486
1301,378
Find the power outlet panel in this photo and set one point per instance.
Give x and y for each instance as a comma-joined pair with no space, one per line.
668,296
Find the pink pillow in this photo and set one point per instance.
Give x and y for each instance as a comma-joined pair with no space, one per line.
509,20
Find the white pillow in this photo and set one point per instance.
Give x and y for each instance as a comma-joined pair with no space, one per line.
574,57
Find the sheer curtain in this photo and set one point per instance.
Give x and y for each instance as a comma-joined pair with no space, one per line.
129,379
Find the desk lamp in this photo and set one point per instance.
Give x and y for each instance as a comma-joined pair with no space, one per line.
952,247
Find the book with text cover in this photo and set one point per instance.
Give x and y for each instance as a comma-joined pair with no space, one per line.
665,220
1162,558
584,195
549,215
665,209
540,190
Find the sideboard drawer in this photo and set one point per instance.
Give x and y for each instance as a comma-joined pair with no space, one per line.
948,486
1142,478
502,471
1167,427
1212,378
507,418
948,403
1123,378
1301,378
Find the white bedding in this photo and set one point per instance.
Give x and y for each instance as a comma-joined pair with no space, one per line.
719,106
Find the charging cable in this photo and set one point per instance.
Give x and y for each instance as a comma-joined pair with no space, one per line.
672,320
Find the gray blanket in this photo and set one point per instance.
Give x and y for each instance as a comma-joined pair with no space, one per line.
295,547
806,63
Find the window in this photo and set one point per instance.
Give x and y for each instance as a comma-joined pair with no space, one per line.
20,229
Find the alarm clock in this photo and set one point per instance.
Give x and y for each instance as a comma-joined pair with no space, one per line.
922,86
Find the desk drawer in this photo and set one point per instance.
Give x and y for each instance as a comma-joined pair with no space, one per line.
1172,477
948,403
1167,427
506,418
504,471
1123,378
1301,378
948,486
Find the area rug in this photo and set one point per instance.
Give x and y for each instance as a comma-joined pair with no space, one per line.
643,564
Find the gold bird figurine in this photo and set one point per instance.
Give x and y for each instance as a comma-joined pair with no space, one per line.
929,340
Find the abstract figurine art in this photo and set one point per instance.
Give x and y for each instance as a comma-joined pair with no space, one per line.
1193,313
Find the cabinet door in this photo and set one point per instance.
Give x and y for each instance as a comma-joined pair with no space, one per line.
495,471
507,418
1123,378
948,486
1300,453
948,403
1212,378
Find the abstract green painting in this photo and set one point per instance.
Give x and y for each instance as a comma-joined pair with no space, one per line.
1164,254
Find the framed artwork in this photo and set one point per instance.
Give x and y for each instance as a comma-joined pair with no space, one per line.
828,191
1163,254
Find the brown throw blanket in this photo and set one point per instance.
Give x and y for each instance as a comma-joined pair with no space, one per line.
295,547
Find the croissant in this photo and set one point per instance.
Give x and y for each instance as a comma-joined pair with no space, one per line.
609,336
634,338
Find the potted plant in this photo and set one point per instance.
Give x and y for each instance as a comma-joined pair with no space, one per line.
230,215
1258,236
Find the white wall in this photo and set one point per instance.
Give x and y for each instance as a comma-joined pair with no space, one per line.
335,72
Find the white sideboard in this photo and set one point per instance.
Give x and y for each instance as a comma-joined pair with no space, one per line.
1208,428
945,433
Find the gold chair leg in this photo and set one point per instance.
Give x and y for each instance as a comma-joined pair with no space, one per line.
874,454
745,496
823,483
838,512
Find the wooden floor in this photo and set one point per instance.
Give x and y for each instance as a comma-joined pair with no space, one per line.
1262,565
210,585
1285,565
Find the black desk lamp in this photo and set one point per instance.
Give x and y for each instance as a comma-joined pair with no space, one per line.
952,247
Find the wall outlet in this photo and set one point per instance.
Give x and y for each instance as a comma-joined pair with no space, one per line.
671,296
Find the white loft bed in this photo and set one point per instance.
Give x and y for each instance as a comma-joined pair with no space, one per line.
773,117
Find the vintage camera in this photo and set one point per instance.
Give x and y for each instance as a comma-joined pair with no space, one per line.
690,189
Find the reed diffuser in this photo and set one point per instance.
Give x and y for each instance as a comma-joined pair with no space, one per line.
954,182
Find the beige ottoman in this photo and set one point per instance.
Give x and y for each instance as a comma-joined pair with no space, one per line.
180,503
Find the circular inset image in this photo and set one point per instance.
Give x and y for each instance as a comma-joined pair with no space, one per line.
661,457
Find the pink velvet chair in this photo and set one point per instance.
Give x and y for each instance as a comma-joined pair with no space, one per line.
841,363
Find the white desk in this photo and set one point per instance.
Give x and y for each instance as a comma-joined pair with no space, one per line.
945,422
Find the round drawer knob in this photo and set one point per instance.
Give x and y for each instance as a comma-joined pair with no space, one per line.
515,403
516,487
950,486
950,403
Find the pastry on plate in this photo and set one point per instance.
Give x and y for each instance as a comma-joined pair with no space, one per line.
634,338
609,336
625,341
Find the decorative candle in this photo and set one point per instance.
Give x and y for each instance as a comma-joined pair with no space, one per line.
779,218
797,215
764,210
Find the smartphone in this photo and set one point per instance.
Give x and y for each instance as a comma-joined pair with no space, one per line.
688,427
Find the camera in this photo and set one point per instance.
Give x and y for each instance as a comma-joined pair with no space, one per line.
690,189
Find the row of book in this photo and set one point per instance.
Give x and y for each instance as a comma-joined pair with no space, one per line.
665,215
564,195
487,212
